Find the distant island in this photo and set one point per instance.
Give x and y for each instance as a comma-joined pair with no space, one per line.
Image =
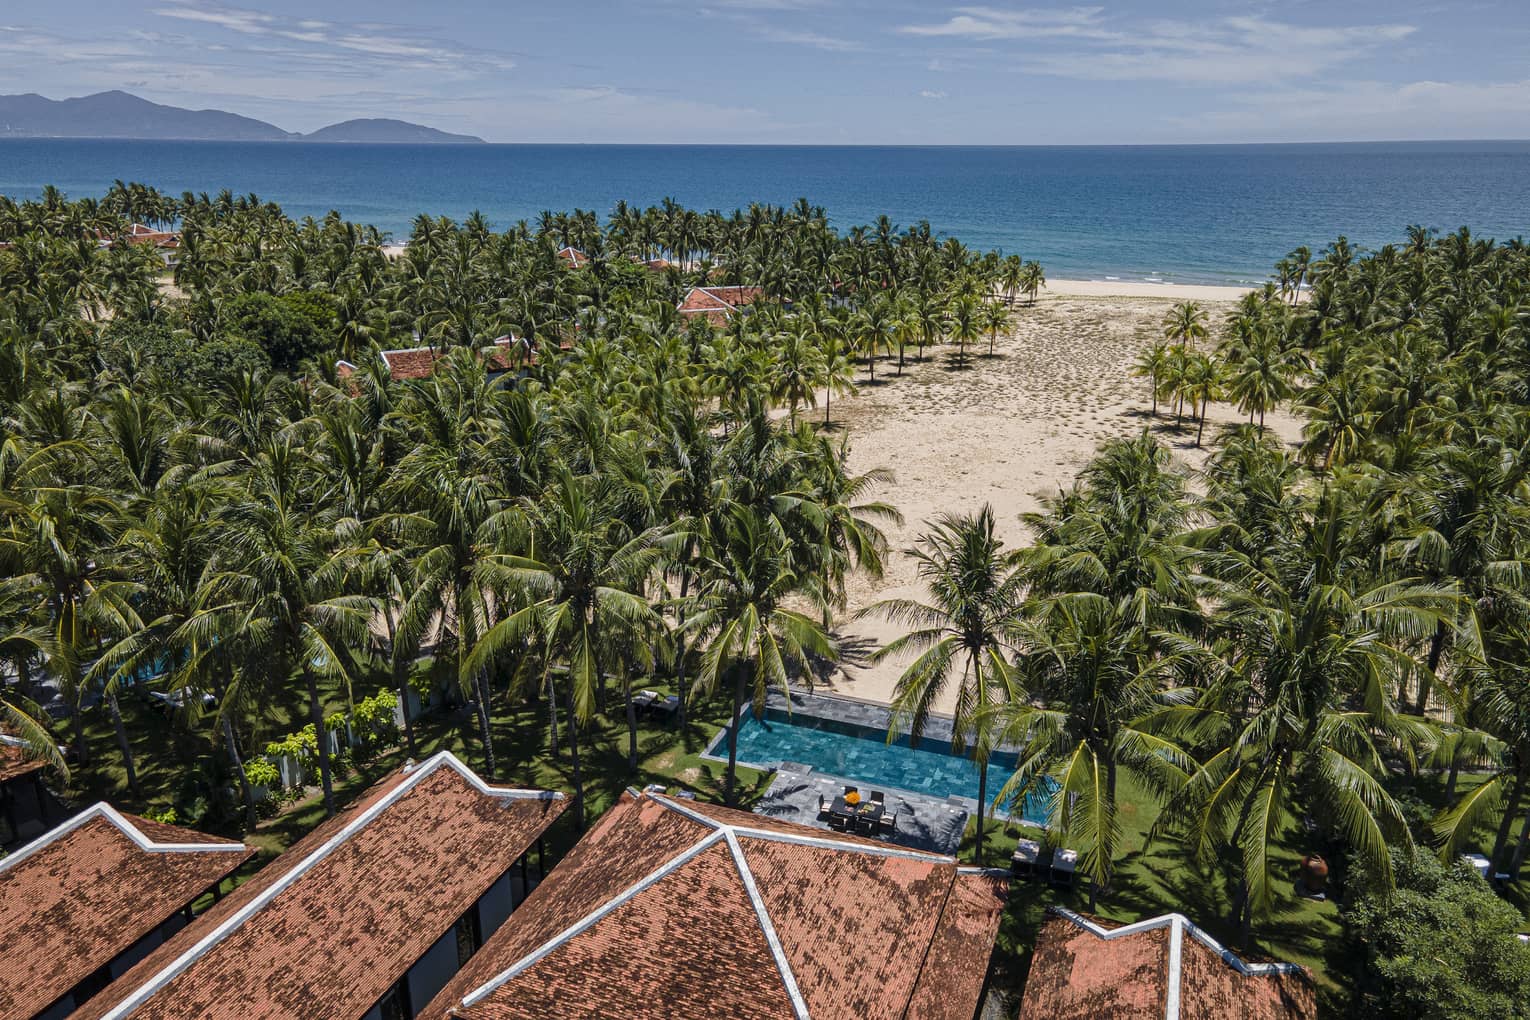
119,114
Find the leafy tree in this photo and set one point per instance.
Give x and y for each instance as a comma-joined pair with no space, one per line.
1436,942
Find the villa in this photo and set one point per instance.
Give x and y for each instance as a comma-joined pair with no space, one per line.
419,362
25,803
367,916
575,258
719,304
673,908
1164,967
84,902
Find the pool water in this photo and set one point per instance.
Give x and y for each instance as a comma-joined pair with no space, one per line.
929,769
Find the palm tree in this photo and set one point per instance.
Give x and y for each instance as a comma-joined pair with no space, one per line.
1313,637
961,634
1035,279
1185,323
876,325
578,576
996,319
967,320
797,367
1203,384
1100,685
750,636
294,589
1153,365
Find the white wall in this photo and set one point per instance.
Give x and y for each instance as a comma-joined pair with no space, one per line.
434,969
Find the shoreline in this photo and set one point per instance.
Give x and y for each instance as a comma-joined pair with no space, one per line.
1143,288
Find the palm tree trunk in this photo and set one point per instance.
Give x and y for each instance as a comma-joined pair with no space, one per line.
400,680
1436,652
632,758
729,796
1519,851
552,712
481,688
124,743
1154,380
245,791
316,716
982,806
573,749
1509,814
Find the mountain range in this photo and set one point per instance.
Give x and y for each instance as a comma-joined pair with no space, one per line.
119,114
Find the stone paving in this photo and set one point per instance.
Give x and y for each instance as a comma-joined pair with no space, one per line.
922,823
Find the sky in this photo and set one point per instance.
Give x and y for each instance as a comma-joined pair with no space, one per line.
806,71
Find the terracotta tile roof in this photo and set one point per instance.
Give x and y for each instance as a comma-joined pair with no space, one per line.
14,761
718,303
673,908
329,926
419,362
77,897
1164,967
575,258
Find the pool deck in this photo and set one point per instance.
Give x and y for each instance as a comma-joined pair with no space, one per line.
925,822
930,824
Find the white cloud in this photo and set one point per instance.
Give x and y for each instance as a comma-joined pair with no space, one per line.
812,39
931,94
993,23
1084,43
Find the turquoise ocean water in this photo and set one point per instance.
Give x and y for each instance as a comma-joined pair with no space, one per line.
1212,214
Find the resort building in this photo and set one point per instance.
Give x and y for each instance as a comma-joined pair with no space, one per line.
166,243
26,806
672,908
1164,968
509,353
719,304
365,917
83,903
575,258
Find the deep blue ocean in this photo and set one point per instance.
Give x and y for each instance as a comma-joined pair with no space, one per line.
1177,213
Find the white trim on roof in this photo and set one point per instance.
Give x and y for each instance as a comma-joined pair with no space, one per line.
708,841
413,774
1179,926
128,829
767,927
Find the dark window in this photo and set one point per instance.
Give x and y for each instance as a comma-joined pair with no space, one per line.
395,1005
468,934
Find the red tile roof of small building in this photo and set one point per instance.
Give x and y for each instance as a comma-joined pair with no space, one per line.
1164,967
574,257
327,928
420,362
672,908
79,896
718,303
14,760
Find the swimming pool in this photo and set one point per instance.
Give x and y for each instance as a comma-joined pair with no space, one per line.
855,752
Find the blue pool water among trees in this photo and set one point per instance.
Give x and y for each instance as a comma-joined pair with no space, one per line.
866,757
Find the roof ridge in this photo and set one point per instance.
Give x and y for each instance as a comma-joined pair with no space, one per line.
671,865
767,926
1179,925
413,775
101,809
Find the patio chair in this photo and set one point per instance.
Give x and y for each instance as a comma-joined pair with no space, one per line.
838,822
1064,869
888,824
1027,855
866,826
850,790
823,808
878,797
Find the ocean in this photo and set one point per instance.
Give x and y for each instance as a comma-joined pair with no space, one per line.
1189,214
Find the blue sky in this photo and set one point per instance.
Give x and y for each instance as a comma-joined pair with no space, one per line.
809,71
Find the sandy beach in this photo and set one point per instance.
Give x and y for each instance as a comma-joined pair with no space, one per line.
1143,288
1006,431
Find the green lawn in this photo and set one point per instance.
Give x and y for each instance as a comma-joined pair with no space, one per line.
1151,879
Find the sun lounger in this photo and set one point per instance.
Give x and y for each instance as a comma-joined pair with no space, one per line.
1027,853
1479,863
1065,867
